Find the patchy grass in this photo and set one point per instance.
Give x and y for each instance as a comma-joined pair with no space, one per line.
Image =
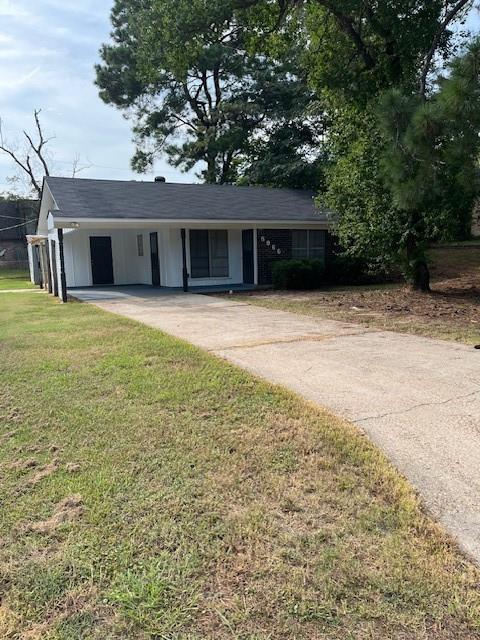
152,491
15,279
450,312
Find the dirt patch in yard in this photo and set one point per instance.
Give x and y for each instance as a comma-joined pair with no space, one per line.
43,472
68,510
450,311
24,465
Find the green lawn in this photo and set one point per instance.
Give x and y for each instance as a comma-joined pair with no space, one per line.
152,491
15,279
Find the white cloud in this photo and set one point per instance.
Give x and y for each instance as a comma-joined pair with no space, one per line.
9,8
96,9
10,81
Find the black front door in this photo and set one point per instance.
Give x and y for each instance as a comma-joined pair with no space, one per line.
101,257
155,259
247,252
54,269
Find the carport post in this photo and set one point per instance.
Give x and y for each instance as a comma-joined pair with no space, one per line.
43,277
48,266
184,260
63,280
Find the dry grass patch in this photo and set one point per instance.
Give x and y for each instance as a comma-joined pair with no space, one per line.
450,312
194,501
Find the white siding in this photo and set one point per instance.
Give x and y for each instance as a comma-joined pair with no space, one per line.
130,268
172,252
33,264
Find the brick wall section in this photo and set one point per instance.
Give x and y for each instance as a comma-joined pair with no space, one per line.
282,239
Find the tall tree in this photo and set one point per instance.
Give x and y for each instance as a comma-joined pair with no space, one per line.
357,51
430,159
180,69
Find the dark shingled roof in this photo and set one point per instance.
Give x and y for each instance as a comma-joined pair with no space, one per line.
81,198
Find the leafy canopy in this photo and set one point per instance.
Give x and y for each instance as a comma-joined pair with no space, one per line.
182,71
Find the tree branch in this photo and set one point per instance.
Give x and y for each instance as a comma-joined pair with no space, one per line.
42,143
26,163
25,166
184,122
450,16
194,105
216,81
347,26
207,92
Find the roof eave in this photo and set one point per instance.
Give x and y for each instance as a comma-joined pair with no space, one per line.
69,222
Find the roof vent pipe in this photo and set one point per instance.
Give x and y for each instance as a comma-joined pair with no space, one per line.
159,179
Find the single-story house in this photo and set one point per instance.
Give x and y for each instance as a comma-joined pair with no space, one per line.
109,232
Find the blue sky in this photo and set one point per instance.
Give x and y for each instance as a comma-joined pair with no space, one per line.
47,52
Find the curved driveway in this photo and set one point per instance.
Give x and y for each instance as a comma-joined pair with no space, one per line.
418,399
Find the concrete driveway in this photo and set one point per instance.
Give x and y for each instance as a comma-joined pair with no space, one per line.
417,399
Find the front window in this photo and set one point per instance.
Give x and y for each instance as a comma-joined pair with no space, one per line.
209,254
308,243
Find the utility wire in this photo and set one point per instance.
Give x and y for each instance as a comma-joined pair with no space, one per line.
13,217
15,226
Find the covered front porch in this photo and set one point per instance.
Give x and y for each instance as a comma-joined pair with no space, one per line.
205,256
82,254
158,256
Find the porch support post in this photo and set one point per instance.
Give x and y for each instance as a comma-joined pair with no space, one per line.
43,280
63,280
46,265
183,234
255,256
48,260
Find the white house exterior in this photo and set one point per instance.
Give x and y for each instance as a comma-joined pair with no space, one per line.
105,232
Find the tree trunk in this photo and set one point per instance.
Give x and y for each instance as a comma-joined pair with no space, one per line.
211,176
419,273
421,276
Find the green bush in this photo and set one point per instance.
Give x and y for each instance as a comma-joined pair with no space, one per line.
298,274
308,273
345,269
